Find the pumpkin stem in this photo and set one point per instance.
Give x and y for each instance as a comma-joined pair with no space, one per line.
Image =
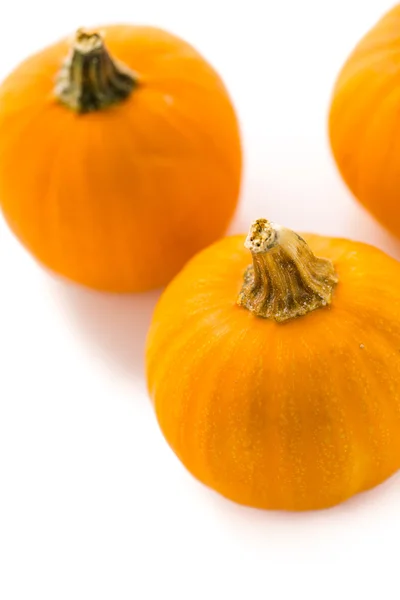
286,280
90,79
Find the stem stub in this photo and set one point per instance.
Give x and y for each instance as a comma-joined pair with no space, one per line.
286,280
90,80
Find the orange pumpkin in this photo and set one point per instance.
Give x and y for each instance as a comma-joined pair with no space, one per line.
113,150
363,121
278,384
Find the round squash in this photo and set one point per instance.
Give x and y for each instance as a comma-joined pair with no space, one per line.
277,383
114,147
364,127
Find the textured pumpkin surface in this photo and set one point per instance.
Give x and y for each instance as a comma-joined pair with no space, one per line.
120,198
364,125
298,415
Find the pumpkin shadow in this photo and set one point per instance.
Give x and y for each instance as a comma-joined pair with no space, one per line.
365,228
357,508
114,326
240,223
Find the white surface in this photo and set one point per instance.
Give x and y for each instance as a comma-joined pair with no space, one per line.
93,504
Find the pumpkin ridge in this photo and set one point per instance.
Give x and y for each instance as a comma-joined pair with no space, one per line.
390,143
376,100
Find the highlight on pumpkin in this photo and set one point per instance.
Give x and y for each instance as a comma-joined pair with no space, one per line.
123,138
277,383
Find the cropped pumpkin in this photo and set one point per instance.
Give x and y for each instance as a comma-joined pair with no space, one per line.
364,127
113,149
277,383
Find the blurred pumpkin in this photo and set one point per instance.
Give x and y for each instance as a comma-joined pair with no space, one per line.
278,384
113,150
363,121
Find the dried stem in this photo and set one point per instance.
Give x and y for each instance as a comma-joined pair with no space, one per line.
90,79
286,280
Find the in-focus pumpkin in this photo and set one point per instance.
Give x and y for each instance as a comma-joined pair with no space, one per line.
277,383
364,126
113,150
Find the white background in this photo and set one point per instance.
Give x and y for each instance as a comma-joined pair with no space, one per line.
93,504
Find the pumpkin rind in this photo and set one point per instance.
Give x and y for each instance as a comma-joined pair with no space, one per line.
297,415
119,199
364,128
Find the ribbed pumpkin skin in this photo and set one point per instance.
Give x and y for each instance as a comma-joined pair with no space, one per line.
120,199
293,416
364,125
